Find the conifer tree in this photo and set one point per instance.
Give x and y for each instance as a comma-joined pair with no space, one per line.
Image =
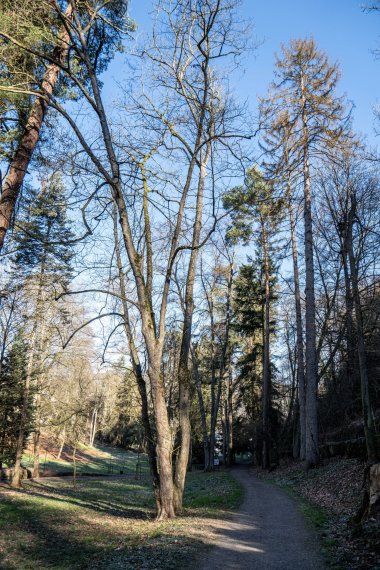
42,263
12,380
304,92
256,203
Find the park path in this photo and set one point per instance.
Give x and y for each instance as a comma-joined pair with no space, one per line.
267,533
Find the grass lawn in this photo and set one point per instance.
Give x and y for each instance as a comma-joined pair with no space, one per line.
107,523
99,459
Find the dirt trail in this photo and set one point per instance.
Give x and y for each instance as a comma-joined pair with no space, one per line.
268,533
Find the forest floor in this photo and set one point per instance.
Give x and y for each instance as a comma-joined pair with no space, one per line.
108,523
329,496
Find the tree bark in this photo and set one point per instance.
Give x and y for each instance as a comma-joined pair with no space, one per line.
266,356
36,453
369,428
229,418
183,367
63,439
299,328
19,165
16,475
222,367
137,370
202,411
312,452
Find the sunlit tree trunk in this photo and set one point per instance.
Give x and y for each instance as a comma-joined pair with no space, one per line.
183,367
229,418
19,165
137,370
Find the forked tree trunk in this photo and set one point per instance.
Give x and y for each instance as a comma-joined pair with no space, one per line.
164,448
28,141
184,378
350,327
137,370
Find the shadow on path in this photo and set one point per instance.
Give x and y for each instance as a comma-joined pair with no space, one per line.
268,533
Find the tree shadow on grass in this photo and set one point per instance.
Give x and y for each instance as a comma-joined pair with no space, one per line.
45,538
130,506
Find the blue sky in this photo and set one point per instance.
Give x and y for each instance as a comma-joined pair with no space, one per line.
340,27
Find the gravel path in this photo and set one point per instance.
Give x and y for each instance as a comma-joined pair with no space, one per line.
268,533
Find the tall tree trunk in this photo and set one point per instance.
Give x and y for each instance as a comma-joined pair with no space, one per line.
37,401
312,452
36,452
94,419
350,328
37,436
164,448
214,409
16,474
63,439
202,411
222,368
137,371
369,428
266,356
229,419
74,459
183,366
300,353
29,139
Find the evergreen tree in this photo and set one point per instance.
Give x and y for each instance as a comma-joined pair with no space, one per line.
12,381
42,264
256,210
303,99
43,236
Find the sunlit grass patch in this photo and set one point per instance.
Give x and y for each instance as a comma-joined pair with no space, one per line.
106,523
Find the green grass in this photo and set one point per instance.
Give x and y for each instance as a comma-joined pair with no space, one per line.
99,460
314,514
107,523
201,492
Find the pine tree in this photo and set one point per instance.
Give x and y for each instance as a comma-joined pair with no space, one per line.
42,264
256,204
43,236
250,324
